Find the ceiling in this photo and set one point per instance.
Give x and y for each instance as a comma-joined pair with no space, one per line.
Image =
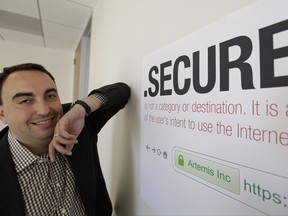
55,24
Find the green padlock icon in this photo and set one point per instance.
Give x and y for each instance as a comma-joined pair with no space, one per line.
180,160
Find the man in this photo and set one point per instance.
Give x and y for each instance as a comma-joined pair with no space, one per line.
39,175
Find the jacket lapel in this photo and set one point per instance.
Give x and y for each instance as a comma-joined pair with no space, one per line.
11,200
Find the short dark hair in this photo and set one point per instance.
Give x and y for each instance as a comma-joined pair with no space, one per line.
21,67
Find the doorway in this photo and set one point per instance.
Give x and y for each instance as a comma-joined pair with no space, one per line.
81,65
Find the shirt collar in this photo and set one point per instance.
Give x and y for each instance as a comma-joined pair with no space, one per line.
21,156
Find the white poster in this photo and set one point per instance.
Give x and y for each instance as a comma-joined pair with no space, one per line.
214,118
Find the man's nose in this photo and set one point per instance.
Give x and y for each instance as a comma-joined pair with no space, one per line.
42,108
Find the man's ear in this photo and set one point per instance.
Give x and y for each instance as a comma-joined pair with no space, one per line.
2,116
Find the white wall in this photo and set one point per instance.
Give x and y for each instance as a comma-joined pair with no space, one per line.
59,63
123,32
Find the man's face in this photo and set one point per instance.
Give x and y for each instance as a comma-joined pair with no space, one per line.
31,107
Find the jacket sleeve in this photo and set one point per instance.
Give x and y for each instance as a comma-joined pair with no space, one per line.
117,96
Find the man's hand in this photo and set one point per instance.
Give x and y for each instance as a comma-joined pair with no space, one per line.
70,126
66,132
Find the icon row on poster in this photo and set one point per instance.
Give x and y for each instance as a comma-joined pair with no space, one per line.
157,151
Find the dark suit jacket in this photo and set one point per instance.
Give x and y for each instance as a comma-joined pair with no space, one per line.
84,161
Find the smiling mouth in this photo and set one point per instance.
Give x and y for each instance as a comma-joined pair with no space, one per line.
43,122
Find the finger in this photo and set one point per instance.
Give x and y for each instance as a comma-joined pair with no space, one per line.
51,152
61,149
64,140
60,144
65,134
68,136
69,147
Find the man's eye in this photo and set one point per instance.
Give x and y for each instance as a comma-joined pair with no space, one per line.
51,97
25,101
